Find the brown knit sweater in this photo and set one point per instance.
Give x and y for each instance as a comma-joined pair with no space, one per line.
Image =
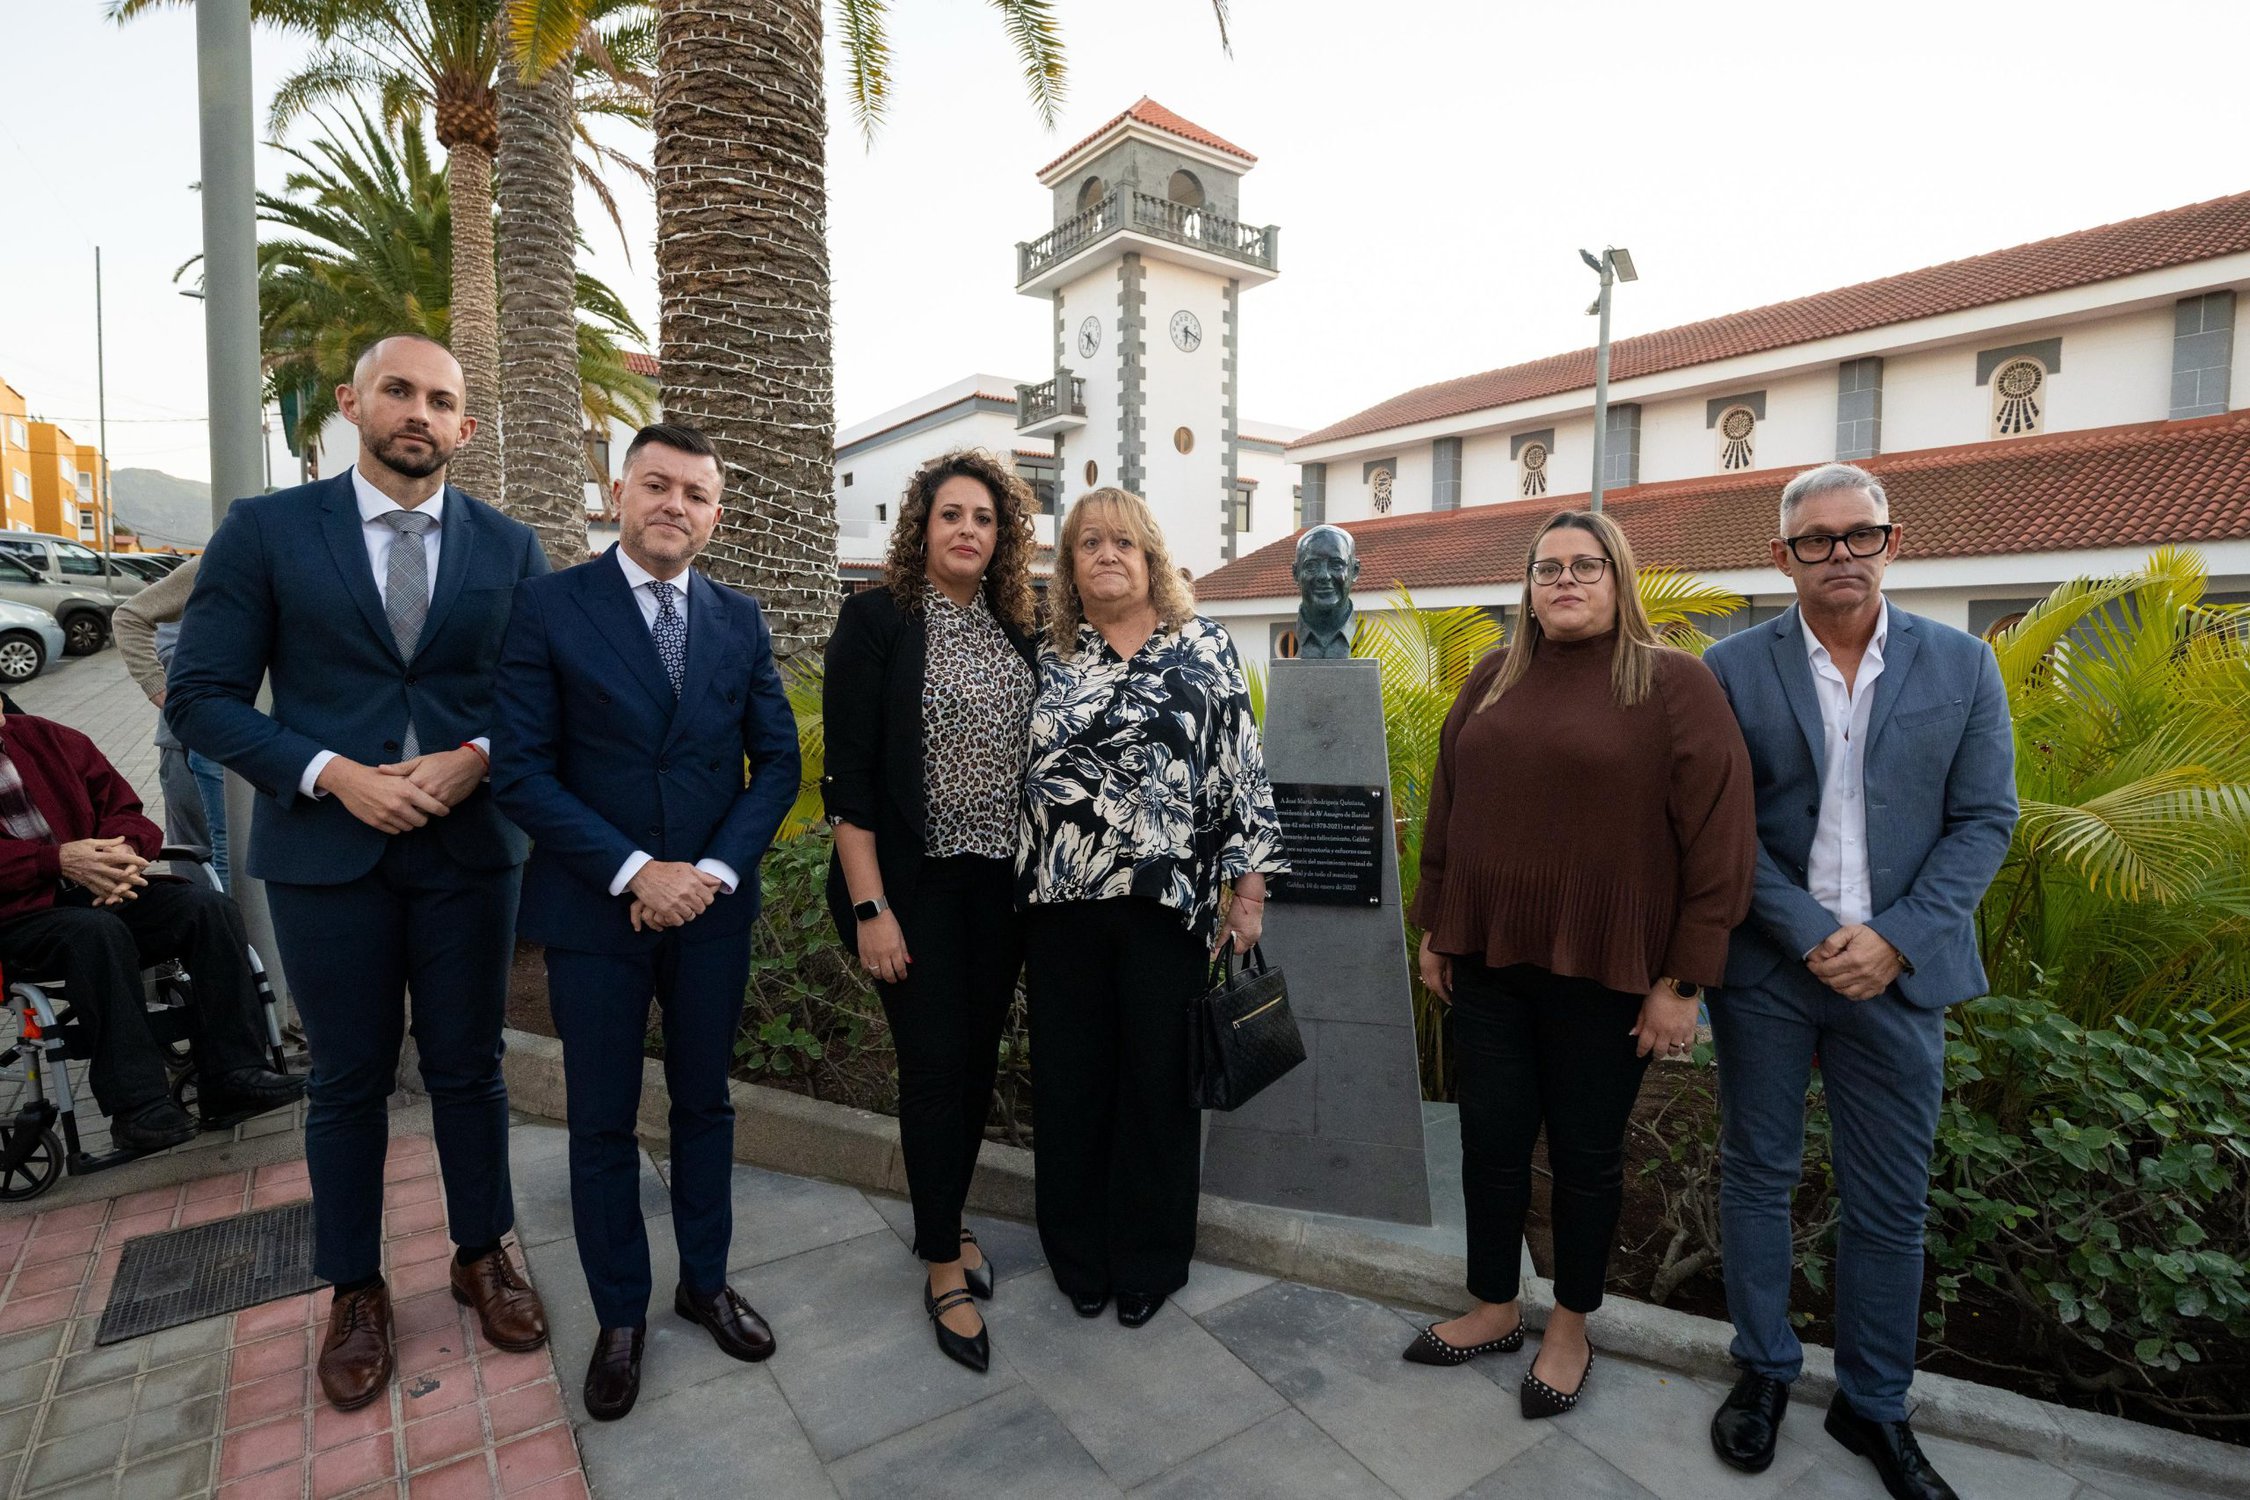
1605,843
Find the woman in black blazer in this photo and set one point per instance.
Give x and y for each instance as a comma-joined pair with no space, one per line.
927,710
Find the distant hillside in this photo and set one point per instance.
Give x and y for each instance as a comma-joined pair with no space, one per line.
163,508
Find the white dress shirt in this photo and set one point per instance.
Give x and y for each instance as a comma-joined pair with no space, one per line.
1836,873
638,579
380,538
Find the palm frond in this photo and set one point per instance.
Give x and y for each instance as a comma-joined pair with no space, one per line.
860,26
1036,36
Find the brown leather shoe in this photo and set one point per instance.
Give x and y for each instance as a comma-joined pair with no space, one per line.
734,1324
507,1308
613,1375
355,1357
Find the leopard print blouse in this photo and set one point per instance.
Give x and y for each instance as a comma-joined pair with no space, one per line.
976,730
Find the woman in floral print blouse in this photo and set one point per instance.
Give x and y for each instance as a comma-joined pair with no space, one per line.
1145,796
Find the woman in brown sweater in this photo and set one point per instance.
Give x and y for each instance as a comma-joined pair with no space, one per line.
1589,846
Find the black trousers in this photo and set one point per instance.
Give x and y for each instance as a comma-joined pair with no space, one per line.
965,938
1535,1049
1118,1144
99,953
419,933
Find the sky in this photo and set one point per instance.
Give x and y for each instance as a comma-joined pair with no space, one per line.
1434,166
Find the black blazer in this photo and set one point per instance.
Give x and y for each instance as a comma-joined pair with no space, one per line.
871,713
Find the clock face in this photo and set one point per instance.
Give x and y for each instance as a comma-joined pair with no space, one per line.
1187,330
1089,337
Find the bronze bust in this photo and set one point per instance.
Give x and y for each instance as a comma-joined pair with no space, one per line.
1326,567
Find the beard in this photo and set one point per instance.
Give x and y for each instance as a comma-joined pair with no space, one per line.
413,462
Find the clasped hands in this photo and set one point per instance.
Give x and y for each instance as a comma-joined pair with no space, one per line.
1856,962
670,893
110,868
406,794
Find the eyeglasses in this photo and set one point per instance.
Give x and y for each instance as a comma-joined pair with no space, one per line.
1548,572
1819,546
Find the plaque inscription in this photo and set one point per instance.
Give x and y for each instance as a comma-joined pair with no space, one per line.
1332,836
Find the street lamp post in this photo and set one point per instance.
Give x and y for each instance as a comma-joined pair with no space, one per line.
1613,265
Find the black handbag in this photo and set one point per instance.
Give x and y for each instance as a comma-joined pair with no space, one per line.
1241,1034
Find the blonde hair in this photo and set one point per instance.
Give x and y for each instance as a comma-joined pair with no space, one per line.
1168,587
1632,662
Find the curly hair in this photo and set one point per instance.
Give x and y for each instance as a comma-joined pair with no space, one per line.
1007,580
1168,588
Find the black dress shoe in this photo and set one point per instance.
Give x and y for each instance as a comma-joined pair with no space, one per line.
980,1279
1748,1422
1089,1304
613,1375
734,1325
1429,1349
973,1350
153,1127
1890,1446
1539,1399
249,1091
1136,1308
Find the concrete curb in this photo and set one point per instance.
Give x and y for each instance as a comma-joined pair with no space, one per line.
787,1132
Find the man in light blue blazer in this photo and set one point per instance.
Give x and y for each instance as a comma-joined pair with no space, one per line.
1885,775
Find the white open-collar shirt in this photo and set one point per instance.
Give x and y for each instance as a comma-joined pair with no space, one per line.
1836,873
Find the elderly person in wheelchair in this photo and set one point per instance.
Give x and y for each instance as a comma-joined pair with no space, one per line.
77,903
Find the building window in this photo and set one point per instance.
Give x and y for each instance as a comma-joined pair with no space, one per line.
1737,428
1296,507
1039,474
847,479
18,433
1183,440
1185,188
1242,511
1090,192
22,483
882,511
2019,397
1533,461
1093,473
85,485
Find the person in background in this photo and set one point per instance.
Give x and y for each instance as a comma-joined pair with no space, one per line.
147,627
1149,832
1886,798
926,704
1588,848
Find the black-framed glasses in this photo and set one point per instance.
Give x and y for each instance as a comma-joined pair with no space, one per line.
1819,546
1585,569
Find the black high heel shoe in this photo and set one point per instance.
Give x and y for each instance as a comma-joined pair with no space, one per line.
974,1350
980,1278
1429,1349
1540,1399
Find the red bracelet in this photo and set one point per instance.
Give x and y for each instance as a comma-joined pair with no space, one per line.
479,749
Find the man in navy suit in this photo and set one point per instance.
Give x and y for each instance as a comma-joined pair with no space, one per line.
632,691
374,603
1885,773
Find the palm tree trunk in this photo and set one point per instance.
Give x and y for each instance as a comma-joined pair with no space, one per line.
543,434
476,317
742,271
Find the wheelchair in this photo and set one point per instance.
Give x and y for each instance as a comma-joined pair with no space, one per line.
33,1156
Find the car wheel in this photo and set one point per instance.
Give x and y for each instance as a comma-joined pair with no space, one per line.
83,634
22,657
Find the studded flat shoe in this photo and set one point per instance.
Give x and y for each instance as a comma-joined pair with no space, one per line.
1540,1399
1429,1349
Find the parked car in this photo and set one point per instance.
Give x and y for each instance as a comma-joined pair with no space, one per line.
29,639
66,559
140,564
82,612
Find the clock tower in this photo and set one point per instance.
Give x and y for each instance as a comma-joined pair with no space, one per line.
1145,268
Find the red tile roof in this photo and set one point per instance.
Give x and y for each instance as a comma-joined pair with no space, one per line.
1154,115
2200,231
643,364
2139,486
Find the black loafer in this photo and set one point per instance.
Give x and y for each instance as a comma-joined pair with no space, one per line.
613,1374
734,1325
1089,1304
1890,1446
980,1279
249,1091
1136,1308
1748,1423
152,1127
973,1350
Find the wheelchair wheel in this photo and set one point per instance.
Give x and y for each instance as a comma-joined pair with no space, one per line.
38,1169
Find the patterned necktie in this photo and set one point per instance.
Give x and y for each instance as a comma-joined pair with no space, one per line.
406,593
19,815
670,631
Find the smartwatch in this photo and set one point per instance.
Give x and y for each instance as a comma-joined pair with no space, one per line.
868,911
1684,990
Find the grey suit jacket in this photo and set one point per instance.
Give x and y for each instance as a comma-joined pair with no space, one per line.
1940,792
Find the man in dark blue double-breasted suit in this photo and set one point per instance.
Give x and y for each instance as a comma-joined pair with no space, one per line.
633,691
374,603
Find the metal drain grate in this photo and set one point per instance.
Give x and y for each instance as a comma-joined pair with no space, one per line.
183,1275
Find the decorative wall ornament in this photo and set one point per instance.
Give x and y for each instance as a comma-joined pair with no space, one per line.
1738,425
1381,480
1534,461
2018,388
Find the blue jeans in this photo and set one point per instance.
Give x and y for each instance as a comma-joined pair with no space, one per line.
211,781
1882,1062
